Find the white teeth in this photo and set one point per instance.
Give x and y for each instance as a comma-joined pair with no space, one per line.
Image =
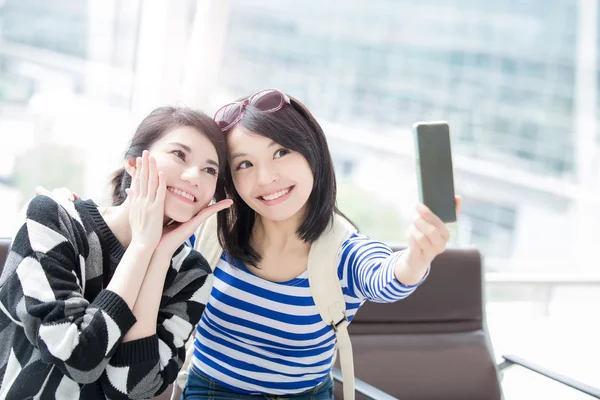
276,195
182,194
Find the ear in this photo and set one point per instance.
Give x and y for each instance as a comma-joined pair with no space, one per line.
129,165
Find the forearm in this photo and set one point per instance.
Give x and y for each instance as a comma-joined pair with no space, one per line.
129,275
409,275
148,301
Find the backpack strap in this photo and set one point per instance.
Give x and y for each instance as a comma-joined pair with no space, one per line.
324,286
207,243
327,292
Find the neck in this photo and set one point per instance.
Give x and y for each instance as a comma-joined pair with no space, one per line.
117,219
276,236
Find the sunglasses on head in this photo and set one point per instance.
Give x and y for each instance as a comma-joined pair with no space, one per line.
267,101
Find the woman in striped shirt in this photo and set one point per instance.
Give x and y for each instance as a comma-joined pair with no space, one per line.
261,334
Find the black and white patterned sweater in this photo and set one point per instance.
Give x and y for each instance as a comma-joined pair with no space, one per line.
61,332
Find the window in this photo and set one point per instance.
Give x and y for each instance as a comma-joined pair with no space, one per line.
491,226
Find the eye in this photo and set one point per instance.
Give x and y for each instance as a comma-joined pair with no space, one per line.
179,154
244,165
210,170
281,152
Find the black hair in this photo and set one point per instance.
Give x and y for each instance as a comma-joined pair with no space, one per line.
295,128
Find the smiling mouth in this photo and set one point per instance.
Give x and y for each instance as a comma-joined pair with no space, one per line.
181,193
276,195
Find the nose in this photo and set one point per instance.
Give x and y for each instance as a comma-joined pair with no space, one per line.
267,174
192,176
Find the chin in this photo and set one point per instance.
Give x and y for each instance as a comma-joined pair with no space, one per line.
178,215
279,215
178,218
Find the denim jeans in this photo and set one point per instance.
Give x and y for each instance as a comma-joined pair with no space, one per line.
200,386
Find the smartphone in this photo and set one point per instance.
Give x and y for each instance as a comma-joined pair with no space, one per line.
435,175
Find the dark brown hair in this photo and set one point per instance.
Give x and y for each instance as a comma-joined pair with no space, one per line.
155,126
295,128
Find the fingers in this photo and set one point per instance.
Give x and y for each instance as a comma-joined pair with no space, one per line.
208,211
221,205
143,174
63,193
175,234
419,240
135,180
161,191
213,209
152,179
428,233
426,214
431,235
42,191
458,201
57,194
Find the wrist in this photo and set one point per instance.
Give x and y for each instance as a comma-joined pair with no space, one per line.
161,256
408,274
141,248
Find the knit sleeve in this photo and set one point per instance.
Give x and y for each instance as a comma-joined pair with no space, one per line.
41,290
145,367
366,270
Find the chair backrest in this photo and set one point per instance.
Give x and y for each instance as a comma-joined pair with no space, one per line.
4,245
433,344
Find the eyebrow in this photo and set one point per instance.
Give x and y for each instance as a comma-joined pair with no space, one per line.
189,150
236,155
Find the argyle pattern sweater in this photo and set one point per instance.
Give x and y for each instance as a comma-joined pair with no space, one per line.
61,331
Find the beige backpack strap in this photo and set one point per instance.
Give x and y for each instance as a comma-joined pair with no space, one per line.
207,243
327,292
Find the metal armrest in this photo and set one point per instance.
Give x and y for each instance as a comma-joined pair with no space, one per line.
510,360
363,387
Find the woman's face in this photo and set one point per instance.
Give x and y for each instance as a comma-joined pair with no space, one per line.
274,181
189,162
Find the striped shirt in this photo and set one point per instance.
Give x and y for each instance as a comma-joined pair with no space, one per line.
263,337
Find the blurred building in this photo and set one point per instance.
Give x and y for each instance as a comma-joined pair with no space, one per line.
517,80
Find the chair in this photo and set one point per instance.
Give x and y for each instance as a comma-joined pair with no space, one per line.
434,344
4,245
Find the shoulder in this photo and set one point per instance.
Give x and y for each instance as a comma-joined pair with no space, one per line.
358,243
48,212
42,206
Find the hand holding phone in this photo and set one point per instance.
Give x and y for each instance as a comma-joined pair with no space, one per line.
435,176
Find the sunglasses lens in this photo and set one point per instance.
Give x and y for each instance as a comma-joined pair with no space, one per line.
227,115
267,100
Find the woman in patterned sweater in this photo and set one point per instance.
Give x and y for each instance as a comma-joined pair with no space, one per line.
98,302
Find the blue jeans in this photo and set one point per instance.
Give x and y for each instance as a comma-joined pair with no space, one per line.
200,386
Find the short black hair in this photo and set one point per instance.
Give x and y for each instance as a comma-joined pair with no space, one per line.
295,128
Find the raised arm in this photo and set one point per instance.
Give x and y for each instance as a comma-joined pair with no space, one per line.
42,291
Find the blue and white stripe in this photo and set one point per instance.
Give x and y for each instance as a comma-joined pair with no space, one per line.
262,337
